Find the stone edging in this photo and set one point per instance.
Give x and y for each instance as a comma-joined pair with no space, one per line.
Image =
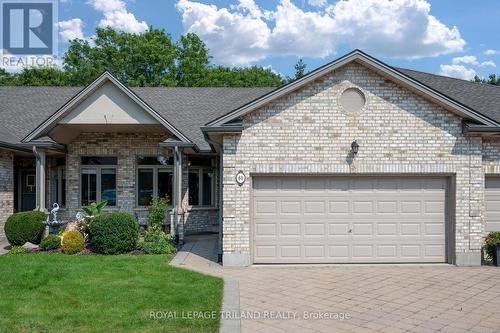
231,321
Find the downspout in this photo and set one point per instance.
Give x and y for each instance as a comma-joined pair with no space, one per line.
37,195
221,179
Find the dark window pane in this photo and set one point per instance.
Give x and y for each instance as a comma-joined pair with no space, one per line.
165,184
153,160
207,188
63,189
99,160
108,186
200,161
89,186
194,188
145,187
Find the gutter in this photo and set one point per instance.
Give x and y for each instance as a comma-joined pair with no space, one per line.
11,146
480,129
222,129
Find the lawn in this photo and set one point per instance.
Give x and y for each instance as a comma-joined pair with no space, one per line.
56,293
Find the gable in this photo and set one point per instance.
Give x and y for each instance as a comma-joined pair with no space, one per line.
360,58
311,124
118,110
108,105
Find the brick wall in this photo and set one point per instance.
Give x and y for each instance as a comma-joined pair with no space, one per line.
398,131
6,189
125,146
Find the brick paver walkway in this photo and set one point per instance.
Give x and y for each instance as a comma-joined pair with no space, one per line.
376,298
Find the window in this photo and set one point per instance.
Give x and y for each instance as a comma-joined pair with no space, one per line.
98,180
201,182
58,185
153,180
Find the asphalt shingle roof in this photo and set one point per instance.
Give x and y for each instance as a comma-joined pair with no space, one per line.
481,97
22,109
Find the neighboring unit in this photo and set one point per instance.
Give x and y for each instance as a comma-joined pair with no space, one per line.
356,162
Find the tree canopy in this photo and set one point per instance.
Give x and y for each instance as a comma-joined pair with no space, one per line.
149,59
492,79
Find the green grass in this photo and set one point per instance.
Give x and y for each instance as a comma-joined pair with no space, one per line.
59,293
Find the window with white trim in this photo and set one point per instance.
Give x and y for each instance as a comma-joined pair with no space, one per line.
201,181
98,180
154,180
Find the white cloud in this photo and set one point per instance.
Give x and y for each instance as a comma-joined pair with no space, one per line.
117,17
470,60
491,52
316,3
244,33
458,71
71,29
488,63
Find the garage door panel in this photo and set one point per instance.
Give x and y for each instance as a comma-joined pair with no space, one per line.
492,203
342,219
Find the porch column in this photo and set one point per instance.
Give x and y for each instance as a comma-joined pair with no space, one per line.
40,178
178,225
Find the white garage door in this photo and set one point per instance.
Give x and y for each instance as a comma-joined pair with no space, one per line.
492,199
348,219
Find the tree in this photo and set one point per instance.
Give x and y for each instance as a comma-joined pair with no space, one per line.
300,67
40,76
193,61
242,77
149,59
492,79
5,78
146,59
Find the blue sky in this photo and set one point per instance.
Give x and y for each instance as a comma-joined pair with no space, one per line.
450,37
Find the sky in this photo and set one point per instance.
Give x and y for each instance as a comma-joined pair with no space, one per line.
457,38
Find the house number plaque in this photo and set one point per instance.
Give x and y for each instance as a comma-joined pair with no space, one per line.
240,178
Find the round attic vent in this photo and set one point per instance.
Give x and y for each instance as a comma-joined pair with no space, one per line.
352,100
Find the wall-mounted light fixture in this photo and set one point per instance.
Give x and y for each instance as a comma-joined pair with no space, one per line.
354,147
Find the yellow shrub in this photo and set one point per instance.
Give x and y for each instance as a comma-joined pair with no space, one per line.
72,242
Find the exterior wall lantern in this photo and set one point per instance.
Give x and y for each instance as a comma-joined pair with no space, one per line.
354,147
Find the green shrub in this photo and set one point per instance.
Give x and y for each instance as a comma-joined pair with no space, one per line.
72,242
157,212
114,233
51,242
25,227
140,245
18,250
158,242
492,239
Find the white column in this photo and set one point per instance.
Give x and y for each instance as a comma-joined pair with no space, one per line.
177,227
40,179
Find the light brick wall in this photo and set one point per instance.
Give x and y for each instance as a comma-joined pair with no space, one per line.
6,189
491,155
398,132
125,146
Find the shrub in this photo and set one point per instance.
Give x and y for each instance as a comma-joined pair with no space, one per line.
158,242
18,250
51,242
492,239
25,227
157,212
72,242
114,233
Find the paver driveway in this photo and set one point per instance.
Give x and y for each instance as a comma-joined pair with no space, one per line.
383,298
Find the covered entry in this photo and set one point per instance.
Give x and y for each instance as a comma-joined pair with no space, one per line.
324,219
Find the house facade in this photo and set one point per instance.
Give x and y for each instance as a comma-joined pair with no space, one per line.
357,162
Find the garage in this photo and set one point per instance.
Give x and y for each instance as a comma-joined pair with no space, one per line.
344,219
492,203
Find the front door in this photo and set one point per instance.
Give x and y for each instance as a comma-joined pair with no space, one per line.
27,184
